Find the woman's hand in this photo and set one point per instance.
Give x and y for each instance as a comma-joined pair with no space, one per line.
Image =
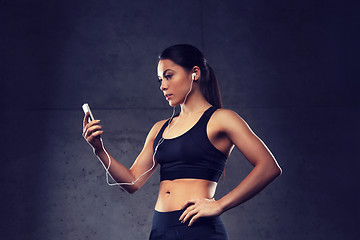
201,207
92,132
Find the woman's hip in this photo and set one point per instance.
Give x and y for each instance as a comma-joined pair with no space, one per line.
166,226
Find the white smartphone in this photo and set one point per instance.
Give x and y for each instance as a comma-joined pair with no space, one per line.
86,109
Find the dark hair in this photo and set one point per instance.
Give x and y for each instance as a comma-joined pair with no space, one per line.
189,56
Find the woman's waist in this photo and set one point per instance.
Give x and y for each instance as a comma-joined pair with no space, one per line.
173,194
188,186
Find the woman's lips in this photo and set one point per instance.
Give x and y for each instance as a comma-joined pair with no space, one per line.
168,96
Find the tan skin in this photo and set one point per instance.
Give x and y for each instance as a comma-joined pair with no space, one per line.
225,130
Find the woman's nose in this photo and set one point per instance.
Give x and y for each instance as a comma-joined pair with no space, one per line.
163,86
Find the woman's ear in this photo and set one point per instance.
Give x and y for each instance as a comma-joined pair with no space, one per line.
196,72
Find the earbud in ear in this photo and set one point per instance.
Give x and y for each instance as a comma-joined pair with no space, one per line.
193,76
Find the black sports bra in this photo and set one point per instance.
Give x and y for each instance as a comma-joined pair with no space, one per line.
190,155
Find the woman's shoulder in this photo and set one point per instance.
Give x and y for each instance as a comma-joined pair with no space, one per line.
223,113
227,118
157,127
159,124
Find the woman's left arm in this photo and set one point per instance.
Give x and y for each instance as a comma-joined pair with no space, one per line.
265,170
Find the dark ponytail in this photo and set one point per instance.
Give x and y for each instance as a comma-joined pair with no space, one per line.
189,56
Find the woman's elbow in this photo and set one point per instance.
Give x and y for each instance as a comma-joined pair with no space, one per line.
277,171
272,170
275,168
131,189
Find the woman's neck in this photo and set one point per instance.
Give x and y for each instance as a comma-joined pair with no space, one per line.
196,103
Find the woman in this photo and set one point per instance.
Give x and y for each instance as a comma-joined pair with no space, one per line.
191,148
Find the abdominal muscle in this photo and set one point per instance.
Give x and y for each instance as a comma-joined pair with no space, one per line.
174,193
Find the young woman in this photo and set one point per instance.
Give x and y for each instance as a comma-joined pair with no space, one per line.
191,148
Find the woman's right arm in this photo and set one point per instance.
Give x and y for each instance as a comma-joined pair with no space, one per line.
119,172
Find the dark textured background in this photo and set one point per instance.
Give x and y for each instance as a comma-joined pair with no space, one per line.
284,66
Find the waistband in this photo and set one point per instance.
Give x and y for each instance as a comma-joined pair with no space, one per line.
166,219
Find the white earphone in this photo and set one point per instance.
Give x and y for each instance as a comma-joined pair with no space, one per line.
193,76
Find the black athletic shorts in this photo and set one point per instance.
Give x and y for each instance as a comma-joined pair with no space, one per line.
166,226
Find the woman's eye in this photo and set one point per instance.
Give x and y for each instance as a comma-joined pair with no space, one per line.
167,77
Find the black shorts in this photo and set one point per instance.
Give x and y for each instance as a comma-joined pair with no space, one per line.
166,226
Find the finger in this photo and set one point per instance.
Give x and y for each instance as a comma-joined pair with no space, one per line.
85,131
191,213
94,135
193,219
86,119
94,128
88,131
188,203
188,212
90,124
190,208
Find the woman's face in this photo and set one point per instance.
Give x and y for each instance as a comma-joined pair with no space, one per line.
175,81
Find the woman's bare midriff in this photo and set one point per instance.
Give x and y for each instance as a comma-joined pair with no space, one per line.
174,193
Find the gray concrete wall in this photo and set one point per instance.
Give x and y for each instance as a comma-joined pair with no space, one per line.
284,66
